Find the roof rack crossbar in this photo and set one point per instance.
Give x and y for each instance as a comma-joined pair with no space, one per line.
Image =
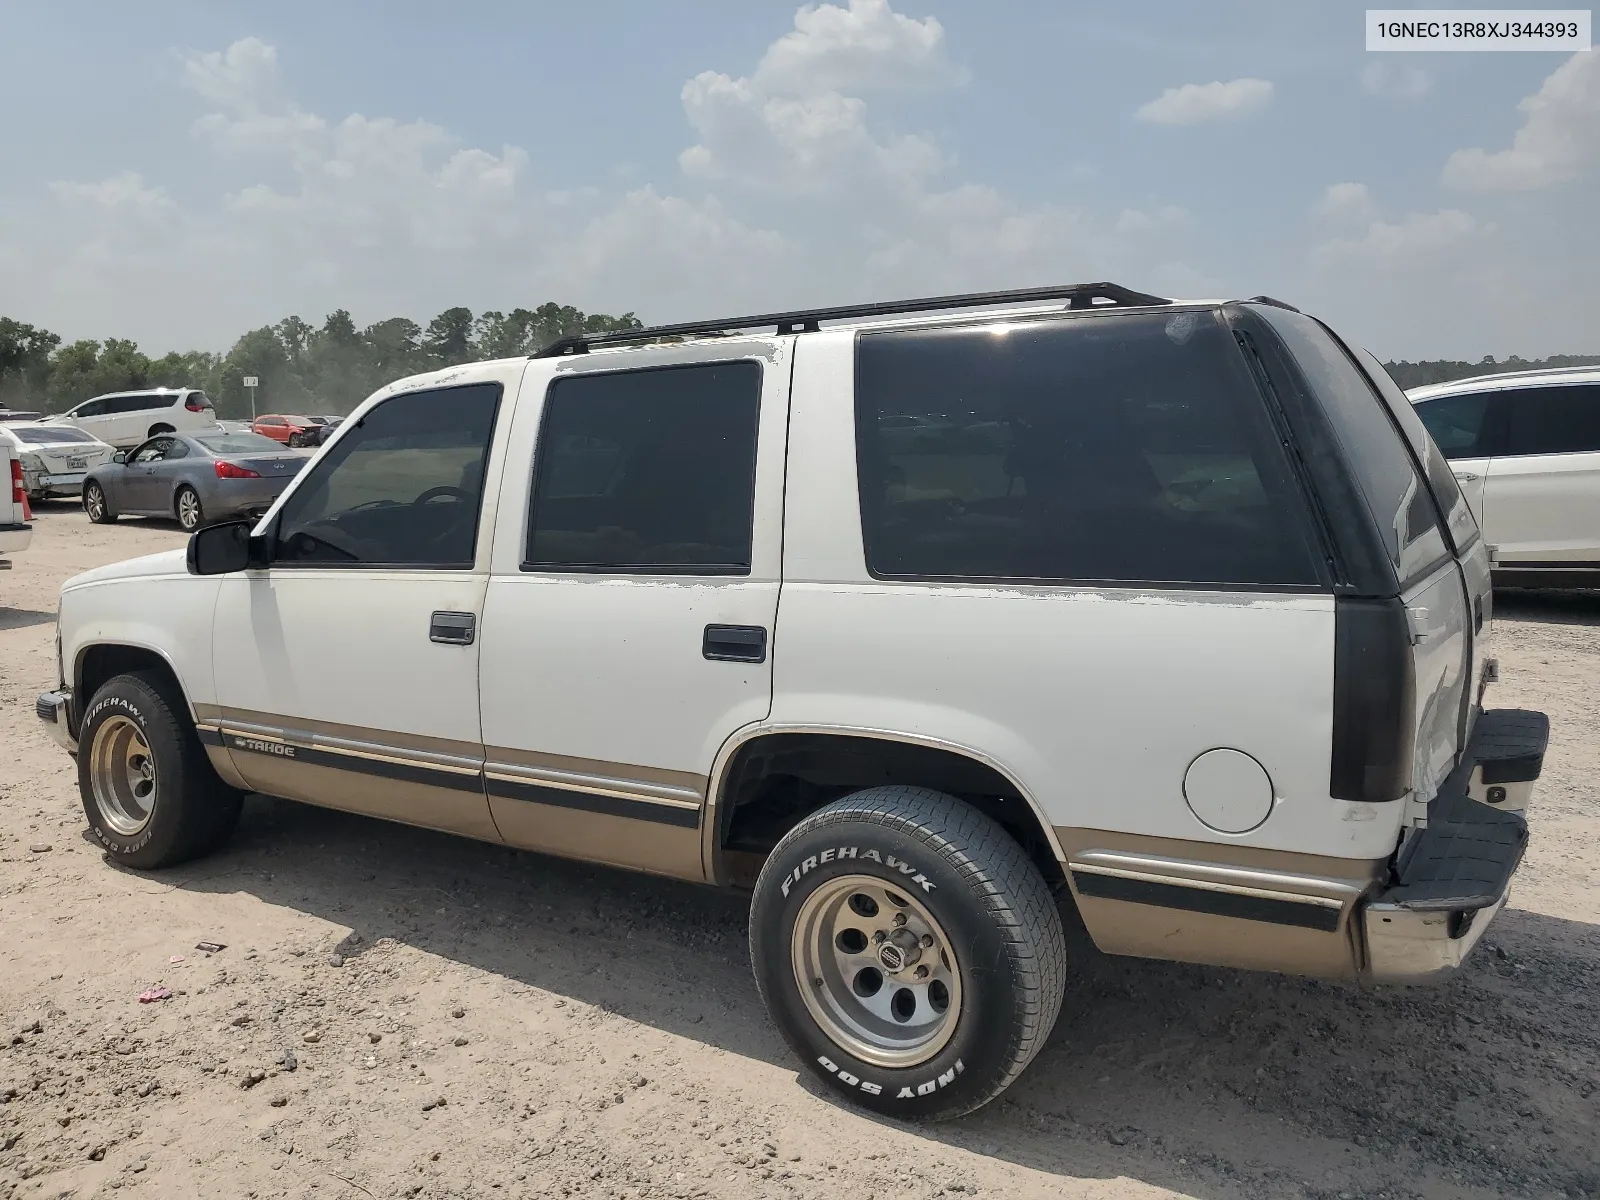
1077,296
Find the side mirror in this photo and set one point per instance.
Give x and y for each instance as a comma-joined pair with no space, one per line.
225,548
121,456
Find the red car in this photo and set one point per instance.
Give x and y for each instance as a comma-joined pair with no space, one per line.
281,428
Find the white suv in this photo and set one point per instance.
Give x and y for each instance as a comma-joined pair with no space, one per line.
1525,447
124,419
920,628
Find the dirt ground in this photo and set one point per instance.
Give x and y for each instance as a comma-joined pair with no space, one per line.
400,1013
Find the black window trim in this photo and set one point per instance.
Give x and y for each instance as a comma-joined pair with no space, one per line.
673,570
1306,518
274,563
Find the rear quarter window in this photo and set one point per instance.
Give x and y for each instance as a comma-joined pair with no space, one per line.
1397,497
1120,448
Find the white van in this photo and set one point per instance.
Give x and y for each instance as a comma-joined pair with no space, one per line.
124,419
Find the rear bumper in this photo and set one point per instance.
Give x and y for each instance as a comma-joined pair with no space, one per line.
53,710
66,483
1453,877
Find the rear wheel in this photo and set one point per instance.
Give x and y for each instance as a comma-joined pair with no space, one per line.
94,503
150,793
187,505
908,950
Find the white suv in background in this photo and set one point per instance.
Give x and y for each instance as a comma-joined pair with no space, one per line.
1525,448
124,419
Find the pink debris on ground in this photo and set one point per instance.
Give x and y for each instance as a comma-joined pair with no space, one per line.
151,995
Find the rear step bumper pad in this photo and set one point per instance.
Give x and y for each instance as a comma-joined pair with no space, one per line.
1507,752
1451,879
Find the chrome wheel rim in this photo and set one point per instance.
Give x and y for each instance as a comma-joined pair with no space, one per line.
876,971
95,503
122,774
188,509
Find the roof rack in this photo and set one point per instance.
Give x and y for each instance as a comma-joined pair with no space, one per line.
1077,295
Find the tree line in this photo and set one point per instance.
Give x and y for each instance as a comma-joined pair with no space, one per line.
301,367
333,367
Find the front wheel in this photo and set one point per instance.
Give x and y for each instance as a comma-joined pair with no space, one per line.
908,950
187,505
149,791
94,503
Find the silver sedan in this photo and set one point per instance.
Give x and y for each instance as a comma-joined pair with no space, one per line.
197,478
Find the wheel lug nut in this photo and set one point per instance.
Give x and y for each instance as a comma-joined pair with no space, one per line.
922,972
899,918
878,936
927,941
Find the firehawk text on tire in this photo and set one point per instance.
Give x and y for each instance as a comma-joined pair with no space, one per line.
908,950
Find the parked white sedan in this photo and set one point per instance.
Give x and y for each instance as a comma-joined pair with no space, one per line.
1525,448
54,458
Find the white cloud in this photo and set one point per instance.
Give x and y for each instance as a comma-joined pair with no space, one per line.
864,47
1559,139
1418,235
1403,81
1345,203
1194,103
791,192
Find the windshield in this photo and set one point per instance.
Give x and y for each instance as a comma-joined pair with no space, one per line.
51,435
239,443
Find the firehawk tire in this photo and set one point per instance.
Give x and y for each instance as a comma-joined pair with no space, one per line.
908,950
149,791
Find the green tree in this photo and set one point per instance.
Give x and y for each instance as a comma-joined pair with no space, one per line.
448,339
24,363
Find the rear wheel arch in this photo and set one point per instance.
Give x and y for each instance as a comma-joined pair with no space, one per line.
158,428
768,781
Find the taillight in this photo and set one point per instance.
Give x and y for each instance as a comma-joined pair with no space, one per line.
228,470
19,494
195,403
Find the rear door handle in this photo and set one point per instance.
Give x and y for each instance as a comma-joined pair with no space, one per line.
735,643
453,628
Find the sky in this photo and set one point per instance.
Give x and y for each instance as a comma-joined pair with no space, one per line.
180,171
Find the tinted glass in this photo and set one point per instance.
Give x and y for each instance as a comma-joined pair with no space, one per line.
1553,420
240,443
1462,524
647,471
403,488
51,434
128,404
1395,493
177,448
1129,447
1457,424
199,398
95,408
151,451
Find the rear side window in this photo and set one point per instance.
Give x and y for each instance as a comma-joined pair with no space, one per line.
1458,515
647,471
1553,420
1129,448
1396,495
1459,425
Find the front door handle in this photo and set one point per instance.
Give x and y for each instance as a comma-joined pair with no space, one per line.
1466,476
735,643
453,628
